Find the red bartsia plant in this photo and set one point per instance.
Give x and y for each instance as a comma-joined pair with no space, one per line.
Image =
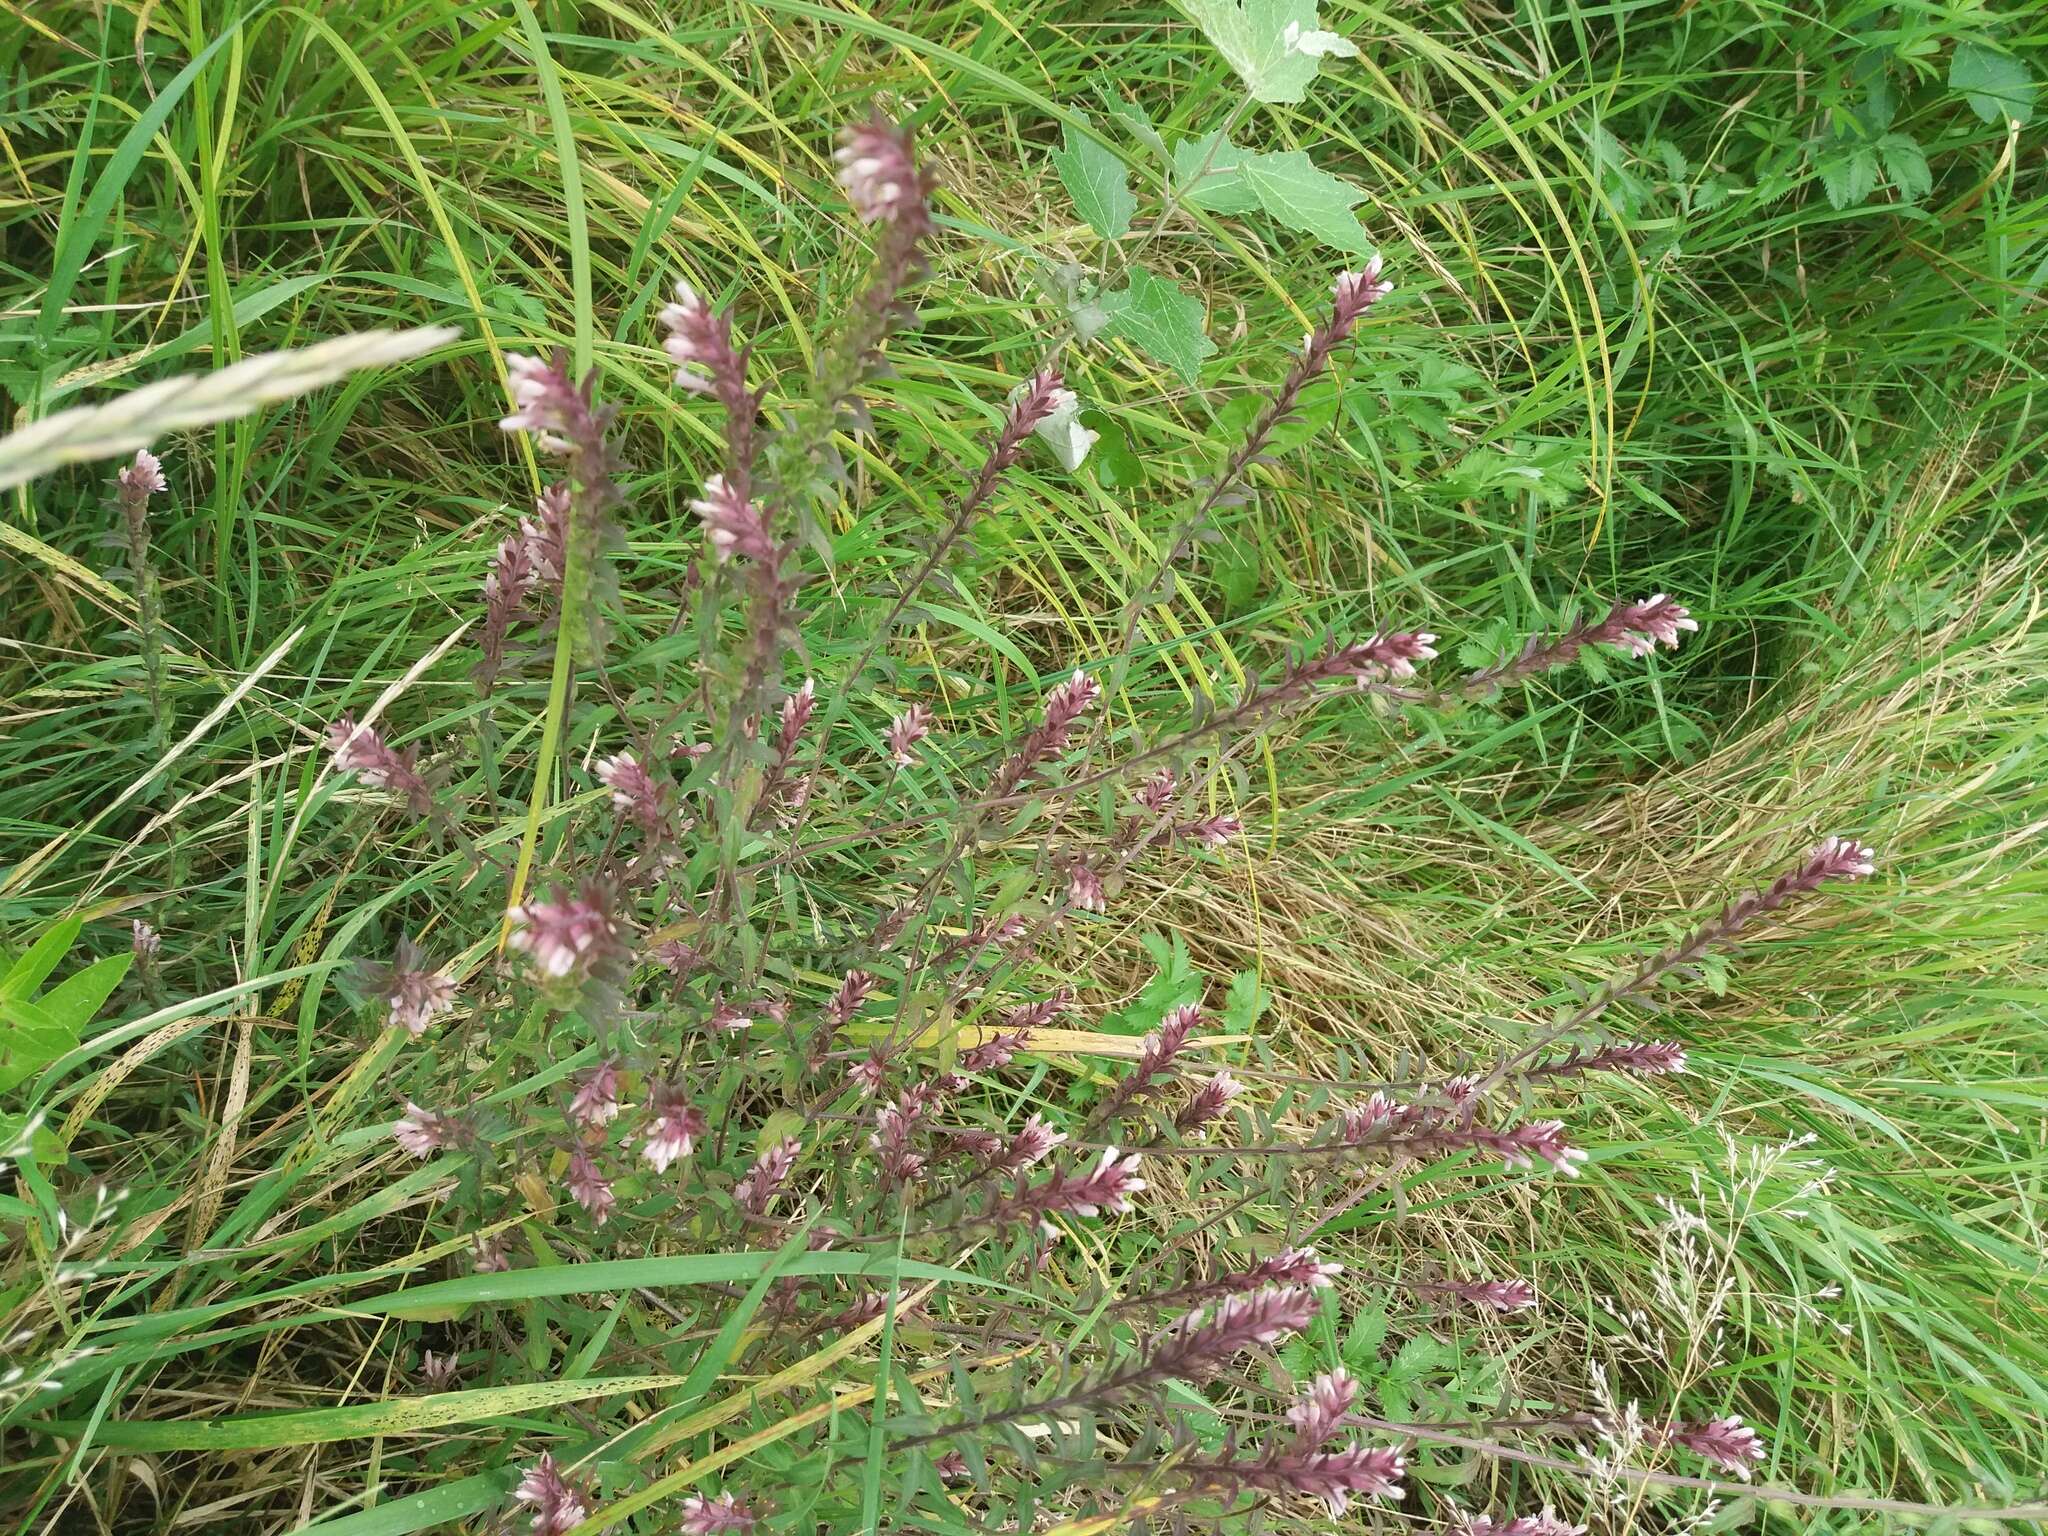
802,1001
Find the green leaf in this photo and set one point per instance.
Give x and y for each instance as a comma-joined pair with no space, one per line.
1162,320
1997,85
1905,166
1134,118
34,1034
1244,1003
1292,190
1096,180
1276,46
27,973
1209,172
1849,176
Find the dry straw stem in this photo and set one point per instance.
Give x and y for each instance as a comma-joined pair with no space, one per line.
137,419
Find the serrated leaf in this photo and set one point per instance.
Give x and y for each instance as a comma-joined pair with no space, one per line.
1362,1343
1098,183
1276,46
1134,118
1292,190
1162,320
1209,173
1849,176
1244,1003
1997,85
1905,166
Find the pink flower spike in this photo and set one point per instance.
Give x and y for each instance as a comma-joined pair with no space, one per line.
595,1103
673,1126
951,1467
143,476
720,1516
1069,701
796,714
588,1187
1084,890
635,792
905,732
360,750
568,935
1841,858
437,1372
1319,1412
413,994
870,1073
1210,1100
880,176
1503,1296
1727,1442
757,1190
1640,628
1354,293
1299,1266
1156,793
1546,1523
144,941
733,524
699,343
547,404
423,1132
1209,832
853,992
489,1256
557,1504
1032,1144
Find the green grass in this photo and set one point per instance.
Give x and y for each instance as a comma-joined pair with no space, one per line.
1817,426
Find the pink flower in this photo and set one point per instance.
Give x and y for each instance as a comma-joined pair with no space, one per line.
1640,628
635,792
1335,1476
588,1187
891,1141
568,935
881,178
1502,1295
846,1002
1319,1412
1518,1148
489,1256
413,995
757,1190
1727,1442
360,750
142,477
1108,1186
557,1504
699,343
680,960
437,1372
951,1467
1209,831
547,404
728,1019
715,1517
905,732
870,1073
1156,793
996,1051
545,535
733,524
1547,1523
1159,1048
1068,702
1300,1266
144,941
422,1132
1840,858
1392,653
673,1126
595,1103
1199,1343
1032,1144
1356,292
1210,1100
796,714
1084,889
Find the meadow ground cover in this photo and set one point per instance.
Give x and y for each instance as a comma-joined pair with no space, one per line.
595,902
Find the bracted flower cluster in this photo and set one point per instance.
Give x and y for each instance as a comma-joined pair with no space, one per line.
141,478
423,1132
1652,1058
360,750
1084,888
672,1127
1209,1101
1546,1522
557,1504
437,1371
1207,831
1391,653
572,935
854,989
699,343
757,1189
1502,1296
721,1515
510,581
1335,1477
1634,627
880,174
1519,1148
588,1186
1727,1442
413,993
636,792
595,1102
905,732
1203,1341
551,407
1290,1269
1064,707
1033,1143
1108,1186
1352,294
733,523
891,1140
